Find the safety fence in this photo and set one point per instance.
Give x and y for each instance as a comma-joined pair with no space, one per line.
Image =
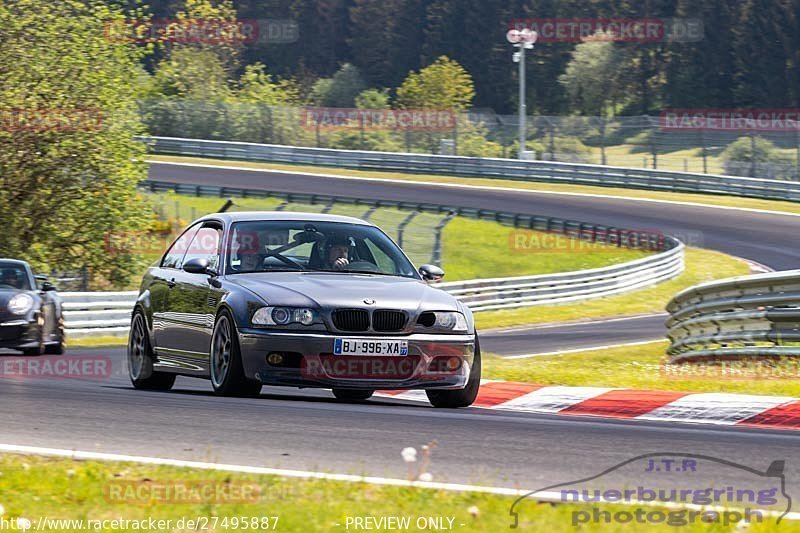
642,141
513,169
747,316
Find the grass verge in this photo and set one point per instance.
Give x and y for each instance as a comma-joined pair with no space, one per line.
701,266
706,199
644,367
35,487
97,342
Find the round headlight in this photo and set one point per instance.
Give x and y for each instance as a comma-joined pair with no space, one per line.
281,316
446,320
20,304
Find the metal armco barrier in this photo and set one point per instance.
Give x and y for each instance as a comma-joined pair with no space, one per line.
506,293
747,316
541,171
99,314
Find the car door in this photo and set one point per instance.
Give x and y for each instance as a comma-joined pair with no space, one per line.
163,279
189,307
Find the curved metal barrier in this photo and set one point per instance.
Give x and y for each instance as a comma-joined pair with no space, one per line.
507,293
747,316
514,169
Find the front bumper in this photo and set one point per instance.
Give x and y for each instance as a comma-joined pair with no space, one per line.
19,334
311,363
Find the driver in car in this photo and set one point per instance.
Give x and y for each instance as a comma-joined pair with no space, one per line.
337,254
10,278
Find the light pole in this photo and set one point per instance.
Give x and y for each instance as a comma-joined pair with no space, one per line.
524,40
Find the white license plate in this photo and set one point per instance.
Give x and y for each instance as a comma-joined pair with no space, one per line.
375,347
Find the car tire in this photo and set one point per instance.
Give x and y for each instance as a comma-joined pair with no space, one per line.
225,361
33,351
453,399
140,358
353,395
59,347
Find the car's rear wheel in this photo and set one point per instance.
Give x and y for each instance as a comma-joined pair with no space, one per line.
227,371
352,395
140,359
465,397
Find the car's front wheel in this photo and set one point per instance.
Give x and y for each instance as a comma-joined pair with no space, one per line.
140,359
462,397
59,347
352,395
227,371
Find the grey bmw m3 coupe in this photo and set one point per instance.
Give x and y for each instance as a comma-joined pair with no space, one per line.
300,300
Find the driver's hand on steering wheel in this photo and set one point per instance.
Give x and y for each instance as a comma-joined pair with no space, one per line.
340,263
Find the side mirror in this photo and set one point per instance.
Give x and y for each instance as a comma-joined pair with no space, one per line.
431,273
199,265
48,287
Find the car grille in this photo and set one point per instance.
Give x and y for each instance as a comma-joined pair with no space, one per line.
351,319
388,320
10,333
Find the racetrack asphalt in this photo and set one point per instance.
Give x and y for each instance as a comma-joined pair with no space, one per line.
309,430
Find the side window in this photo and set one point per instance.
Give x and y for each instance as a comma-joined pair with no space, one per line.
206,245
173,257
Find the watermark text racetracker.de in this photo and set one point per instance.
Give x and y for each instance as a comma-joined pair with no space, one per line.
203,31
731,120
634,30
417,120
51,120
193,523
56,367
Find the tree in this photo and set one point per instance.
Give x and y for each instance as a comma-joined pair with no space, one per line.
592,77
442,85
257,86
340,90
68,174
373,99
228,47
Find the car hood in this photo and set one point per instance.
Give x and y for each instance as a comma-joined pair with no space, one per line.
333,290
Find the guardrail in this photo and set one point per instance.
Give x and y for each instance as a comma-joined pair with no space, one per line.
507,293
747,316
97,314
514,169
106,313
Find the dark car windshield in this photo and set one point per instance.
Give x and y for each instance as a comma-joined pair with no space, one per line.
14,276
296,245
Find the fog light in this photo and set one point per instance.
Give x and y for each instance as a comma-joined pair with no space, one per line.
275,359
453,363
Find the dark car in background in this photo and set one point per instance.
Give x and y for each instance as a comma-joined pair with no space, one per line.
30,311
300,300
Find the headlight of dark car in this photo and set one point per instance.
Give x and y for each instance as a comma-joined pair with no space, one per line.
284,316
20,304
442,322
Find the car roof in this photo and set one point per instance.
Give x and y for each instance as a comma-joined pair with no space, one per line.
252,216
18,262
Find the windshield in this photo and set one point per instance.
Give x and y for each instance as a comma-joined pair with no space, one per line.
14,276
296,245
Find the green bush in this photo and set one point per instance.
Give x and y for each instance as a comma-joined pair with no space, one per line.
756,157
